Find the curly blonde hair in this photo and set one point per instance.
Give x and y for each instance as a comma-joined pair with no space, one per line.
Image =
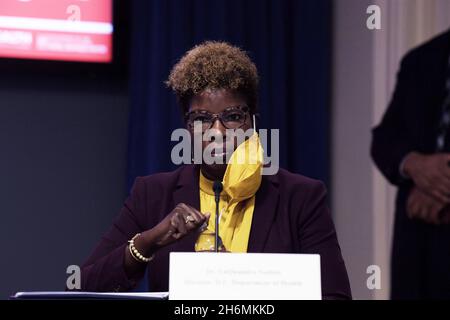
214,65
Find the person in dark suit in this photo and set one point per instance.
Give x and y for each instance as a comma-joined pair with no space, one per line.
216,84
411,148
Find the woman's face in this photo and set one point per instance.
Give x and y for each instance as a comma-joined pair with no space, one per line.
216,101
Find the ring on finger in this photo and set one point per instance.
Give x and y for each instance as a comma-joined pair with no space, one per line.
189,219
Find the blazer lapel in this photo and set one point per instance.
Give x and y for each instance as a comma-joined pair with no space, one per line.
187,191
266,204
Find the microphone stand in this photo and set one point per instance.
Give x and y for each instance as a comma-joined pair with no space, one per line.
217,188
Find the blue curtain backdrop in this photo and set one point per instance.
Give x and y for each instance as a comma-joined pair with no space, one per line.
290,42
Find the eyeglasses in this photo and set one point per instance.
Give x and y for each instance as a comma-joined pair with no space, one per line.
231,118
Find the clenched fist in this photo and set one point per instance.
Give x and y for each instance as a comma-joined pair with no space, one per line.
182,221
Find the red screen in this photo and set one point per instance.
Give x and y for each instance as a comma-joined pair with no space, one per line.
72,30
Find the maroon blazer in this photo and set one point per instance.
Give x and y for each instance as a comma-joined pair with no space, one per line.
291,216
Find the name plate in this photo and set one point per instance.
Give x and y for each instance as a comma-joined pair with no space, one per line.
244,276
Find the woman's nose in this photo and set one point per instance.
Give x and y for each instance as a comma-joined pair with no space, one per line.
218,130
217,125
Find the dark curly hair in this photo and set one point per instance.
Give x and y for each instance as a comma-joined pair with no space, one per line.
214,65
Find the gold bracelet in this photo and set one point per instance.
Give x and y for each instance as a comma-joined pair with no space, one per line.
135,253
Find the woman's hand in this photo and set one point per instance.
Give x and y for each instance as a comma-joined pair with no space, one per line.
180,222
183,220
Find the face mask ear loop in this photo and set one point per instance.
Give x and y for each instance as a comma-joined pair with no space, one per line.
254,128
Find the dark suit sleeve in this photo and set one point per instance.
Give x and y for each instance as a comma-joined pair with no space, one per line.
104,269
318,236
392,139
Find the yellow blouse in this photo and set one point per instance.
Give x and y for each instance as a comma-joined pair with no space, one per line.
235,218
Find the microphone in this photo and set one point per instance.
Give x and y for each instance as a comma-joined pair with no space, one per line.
217,188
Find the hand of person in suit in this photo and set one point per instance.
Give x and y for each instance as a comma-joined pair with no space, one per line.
423,206
445,216
430,173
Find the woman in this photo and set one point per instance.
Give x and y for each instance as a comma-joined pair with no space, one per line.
215,83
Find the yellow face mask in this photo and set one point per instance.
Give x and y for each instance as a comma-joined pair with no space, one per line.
242,177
